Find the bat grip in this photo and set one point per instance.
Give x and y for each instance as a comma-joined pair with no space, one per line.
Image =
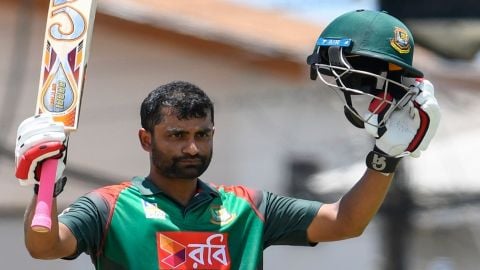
42,219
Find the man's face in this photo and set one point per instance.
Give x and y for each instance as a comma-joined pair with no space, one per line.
182,149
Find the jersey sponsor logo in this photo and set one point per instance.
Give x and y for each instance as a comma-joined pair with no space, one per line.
193,250
152,211
400,41
220,215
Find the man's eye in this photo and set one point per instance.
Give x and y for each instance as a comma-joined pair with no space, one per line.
176,135
203,135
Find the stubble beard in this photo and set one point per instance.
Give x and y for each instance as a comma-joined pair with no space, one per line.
170,167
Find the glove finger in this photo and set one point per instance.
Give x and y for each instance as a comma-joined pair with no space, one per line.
62,163
36,130
422,128
27,163
39,139
425,127
428,87
429,115
37,171
430,106
43,129
433,111
39,119
413,85
426,94
413,113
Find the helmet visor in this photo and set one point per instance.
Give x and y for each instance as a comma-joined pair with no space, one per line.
366,85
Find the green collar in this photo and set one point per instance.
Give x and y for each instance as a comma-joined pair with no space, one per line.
147,187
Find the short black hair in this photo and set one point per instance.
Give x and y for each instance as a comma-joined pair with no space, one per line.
186,99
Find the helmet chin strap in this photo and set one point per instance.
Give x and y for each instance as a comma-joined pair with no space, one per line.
336,58
351,115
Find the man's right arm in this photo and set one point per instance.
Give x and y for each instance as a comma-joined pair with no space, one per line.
35,133
59,242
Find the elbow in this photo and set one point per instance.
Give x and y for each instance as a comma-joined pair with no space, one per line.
349,234
36,254
357,232
40,253
352,226
352,230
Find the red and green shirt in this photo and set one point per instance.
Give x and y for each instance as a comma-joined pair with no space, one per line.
134,225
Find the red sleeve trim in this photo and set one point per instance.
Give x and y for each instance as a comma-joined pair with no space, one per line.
253,197
110,195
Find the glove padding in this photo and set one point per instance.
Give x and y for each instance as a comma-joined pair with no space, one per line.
410,128
39,138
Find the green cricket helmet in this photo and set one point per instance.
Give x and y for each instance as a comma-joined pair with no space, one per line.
366,53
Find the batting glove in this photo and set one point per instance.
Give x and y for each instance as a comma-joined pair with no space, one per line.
409,129
40,138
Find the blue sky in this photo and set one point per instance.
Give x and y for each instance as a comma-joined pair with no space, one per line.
321,11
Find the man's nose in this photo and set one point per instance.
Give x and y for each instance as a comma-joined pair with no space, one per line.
191,148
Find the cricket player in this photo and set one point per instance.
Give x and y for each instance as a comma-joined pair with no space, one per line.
171,219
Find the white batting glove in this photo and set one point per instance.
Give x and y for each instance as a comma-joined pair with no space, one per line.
39,138
409,129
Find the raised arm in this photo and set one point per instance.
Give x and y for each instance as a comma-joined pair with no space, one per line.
407,132
40,138
59,242
349,216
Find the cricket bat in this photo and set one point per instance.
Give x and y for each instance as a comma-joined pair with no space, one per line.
62,75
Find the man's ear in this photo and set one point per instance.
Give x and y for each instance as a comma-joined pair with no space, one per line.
145,138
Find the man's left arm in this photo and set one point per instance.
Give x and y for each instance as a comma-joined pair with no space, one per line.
407,132
349,216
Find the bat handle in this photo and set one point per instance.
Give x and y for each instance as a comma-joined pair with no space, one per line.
42,219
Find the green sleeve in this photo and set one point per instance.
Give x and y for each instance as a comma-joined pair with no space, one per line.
86,218
287,219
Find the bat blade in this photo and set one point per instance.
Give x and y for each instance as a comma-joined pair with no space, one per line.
64,62
65,56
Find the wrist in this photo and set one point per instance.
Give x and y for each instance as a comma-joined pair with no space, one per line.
381,162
